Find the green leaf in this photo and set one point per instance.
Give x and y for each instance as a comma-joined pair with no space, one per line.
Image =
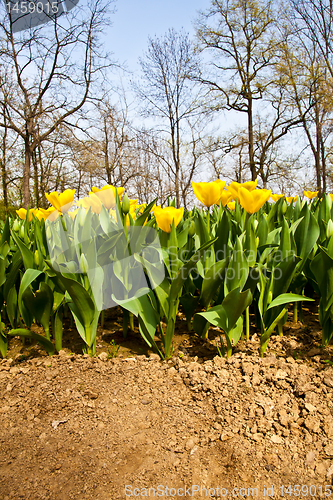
27,255
287,298
21,332
212,280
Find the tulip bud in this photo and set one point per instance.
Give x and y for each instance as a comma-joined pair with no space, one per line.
255,222
329,229
82,216
125,204
284,207
36,258
16,226
22,231
48,233
191,231
83,264
270,297
257,241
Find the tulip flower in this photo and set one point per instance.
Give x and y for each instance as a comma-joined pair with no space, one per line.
120,190
22,213
73,213
92,202
310,194
276,197
209,193
38,213
225,198
165,216
46,214
63,201
234,187
231,205
252,201
291,199
106,196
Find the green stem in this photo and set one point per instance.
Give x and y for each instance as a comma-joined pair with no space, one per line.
47,332
162,333
125,323
131,321
247,322
295,312
208,220
57,330
301,311
280,329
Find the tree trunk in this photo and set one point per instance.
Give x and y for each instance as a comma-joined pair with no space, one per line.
26,173
3,170
250,137
317,153
36,181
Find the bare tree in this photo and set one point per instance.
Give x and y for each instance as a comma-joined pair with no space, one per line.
170,94
48,74
242,36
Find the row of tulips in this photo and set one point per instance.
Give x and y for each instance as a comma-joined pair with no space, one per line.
240,254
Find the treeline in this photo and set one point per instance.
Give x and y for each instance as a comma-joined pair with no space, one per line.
63,124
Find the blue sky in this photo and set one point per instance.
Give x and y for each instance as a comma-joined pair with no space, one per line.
135,20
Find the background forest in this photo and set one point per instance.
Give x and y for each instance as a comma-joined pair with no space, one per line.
68,121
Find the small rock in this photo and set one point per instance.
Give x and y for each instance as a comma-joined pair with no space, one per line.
329,449
310,457
310,407
314,351
172,371
312,424
328,381
276,439
103,356
190,443
320,469
154,357
330,471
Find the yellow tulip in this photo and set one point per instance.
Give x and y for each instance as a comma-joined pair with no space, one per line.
234,187
331,196
231,205
63,201
209,193
92,202
22,213
276,197
46,213
225,198
291,199
38,213
165,216
73,214
106,196
133,203
252,201
310,194
120,190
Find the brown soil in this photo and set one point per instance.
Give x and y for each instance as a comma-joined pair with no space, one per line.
74,427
